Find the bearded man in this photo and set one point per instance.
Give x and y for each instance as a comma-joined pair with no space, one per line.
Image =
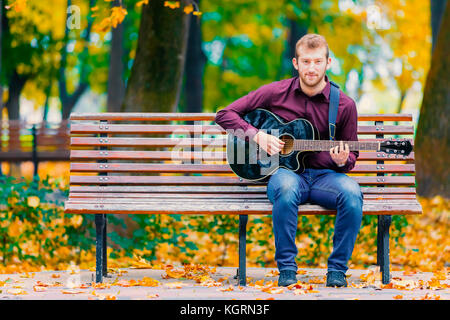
323,181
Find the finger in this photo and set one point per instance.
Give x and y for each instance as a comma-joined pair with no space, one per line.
277,144
336,150
341,146
274,150
347,149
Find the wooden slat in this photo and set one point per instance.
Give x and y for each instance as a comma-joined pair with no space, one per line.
213,168
136,116
217,189
60,155
146,155
160,116
145,128
106,195
77,128
162,142
374,207
102,195
217,180
148,142
385,129
171,189
225,201
177,155
385,117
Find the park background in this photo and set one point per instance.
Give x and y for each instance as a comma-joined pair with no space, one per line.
63,56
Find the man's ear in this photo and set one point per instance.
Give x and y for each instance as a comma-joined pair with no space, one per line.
329,63
294,63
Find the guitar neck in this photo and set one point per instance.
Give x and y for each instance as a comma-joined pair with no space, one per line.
326,145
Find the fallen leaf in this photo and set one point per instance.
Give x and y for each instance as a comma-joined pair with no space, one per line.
39,288
72,291
16,292
229,288
317,280
273,290
149,282
272,273
175,285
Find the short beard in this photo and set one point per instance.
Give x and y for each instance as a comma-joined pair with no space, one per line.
313,84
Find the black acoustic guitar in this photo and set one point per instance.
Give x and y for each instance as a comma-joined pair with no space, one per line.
249,161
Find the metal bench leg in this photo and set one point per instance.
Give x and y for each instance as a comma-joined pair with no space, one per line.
384,223
105,254
99,250
243,218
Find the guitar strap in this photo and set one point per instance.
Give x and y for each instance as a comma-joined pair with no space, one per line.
333,109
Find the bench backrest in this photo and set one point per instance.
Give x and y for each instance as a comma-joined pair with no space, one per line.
137,153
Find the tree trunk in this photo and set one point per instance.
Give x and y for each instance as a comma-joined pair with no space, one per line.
116,84
194,67
1,86
157,72
296,30
68,101
432,141
16,84
437,10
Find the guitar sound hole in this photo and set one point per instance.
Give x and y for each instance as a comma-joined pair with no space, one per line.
288,144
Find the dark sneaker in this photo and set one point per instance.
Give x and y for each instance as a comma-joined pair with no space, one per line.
287,277
336,279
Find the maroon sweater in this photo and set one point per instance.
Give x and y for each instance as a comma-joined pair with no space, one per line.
286,99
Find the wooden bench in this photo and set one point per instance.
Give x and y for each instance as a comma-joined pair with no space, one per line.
175,163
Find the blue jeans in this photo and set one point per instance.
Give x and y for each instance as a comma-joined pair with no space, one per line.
328,188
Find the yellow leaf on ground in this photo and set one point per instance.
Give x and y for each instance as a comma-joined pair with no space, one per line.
16,292
229,288
39,288
33,201
72,291
175,285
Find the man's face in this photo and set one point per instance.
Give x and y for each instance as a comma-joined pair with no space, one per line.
311,65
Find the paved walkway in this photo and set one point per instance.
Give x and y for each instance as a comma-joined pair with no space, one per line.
138,284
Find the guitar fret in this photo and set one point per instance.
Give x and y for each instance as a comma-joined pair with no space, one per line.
325,145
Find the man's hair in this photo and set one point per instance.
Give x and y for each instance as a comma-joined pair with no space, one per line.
311,41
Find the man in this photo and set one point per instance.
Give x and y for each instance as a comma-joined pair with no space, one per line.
324,181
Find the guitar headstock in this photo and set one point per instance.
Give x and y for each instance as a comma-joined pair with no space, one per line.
396,146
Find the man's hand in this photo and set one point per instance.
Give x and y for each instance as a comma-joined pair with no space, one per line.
268,142
339,154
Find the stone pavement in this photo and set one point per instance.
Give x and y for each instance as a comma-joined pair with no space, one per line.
79,285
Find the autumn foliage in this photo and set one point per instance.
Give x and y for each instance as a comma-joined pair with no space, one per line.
36,235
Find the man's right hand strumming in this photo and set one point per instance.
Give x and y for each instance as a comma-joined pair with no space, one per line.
268,142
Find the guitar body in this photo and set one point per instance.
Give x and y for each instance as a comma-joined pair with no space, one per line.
253,163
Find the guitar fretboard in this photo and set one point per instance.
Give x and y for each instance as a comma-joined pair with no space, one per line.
326,145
